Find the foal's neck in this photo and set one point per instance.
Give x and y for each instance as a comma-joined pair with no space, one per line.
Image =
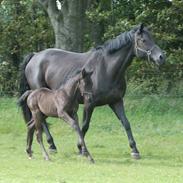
71,86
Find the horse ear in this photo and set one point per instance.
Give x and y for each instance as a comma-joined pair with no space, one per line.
83,72
141,27
86,73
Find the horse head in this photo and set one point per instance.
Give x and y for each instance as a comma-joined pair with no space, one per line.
145,46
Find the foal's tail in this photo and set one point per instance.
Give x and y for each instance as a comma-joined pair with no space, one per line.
24,86
22,100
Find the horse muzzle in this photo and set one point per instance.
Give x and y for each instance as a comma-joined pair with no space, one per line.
160,59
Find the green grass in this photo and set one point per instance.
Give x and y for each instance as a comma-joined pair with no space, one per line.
157,125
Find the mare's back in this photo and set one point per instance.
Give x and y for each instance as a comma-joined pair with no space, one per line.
52,67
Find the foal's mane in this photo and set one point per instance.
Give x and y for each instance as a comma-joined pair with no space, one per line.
68,79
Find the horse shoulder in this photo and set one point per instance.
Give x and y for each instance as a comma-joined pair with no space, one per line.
60,98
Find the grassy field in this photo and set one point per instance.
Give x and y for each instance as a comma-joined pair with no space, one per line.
157,125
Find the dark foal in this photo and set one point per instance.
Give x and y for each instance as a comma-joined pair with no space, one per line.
62,103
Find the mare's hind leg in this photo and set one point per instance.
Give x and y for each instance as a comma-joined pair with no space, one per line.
118,109
74,124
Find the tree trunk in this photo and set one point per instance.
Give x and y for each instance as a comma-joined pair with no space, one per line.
69,23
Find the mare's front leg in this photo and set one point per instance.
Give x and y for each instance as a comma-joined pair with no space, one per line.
74,124
118,109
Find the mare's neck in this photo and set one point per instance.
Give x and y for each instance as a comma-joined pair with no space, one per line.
121,59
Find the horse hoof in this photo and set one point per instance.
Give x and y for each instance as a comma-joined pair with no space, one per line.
52,151
47,158
135,155
91,160
79,149
80,153
30,157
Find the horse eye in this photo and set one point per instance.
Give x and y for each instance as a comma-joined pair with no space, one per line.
143,40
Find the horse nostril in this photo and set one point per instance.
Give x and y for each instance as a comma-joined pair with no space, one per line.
161,57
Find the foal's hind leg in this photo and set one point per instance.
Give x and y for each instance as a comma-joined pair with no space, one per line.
40,141
74,124
37,116
30,134
49,137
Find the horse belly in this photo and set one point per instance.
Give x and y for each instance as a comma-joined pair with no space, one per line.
108,97
49,110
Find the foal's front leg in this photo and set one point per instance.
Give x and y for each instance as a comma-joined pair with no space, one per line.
87,113
74,124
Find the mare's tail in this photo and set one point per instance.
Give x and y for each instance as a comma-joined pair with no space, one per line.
22,100
23,87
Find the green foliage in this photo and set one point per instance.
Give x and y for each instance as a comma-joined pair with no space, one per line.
164,18
8,79
24,28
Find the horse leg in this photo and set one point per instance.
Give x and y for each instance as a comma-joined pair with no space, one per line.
38,120
52,147
87,113
75,125
49,137
118,109
30,134
40,141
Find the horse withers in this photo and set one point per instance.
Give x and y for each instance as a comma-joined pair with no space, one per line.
62,103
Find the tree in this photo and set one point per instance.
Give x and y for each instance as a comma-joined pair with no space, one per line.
68,22
99,16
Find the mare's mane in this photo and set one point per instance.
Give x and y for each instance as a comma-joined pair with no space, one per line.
113,45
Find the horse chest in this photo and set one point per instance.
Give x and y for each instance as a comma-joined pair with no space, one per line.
108,96
113,94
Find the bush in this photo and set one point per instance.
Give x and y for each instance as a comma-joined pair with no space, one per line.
8,79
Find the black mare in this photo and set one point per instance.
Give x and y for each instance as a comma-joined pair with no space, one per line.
51,68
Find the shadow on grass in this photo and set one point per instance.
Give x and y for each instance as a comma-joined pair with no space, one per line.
146,160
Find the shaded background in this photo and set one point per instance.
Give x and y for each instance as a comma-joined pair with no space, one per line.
78,25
